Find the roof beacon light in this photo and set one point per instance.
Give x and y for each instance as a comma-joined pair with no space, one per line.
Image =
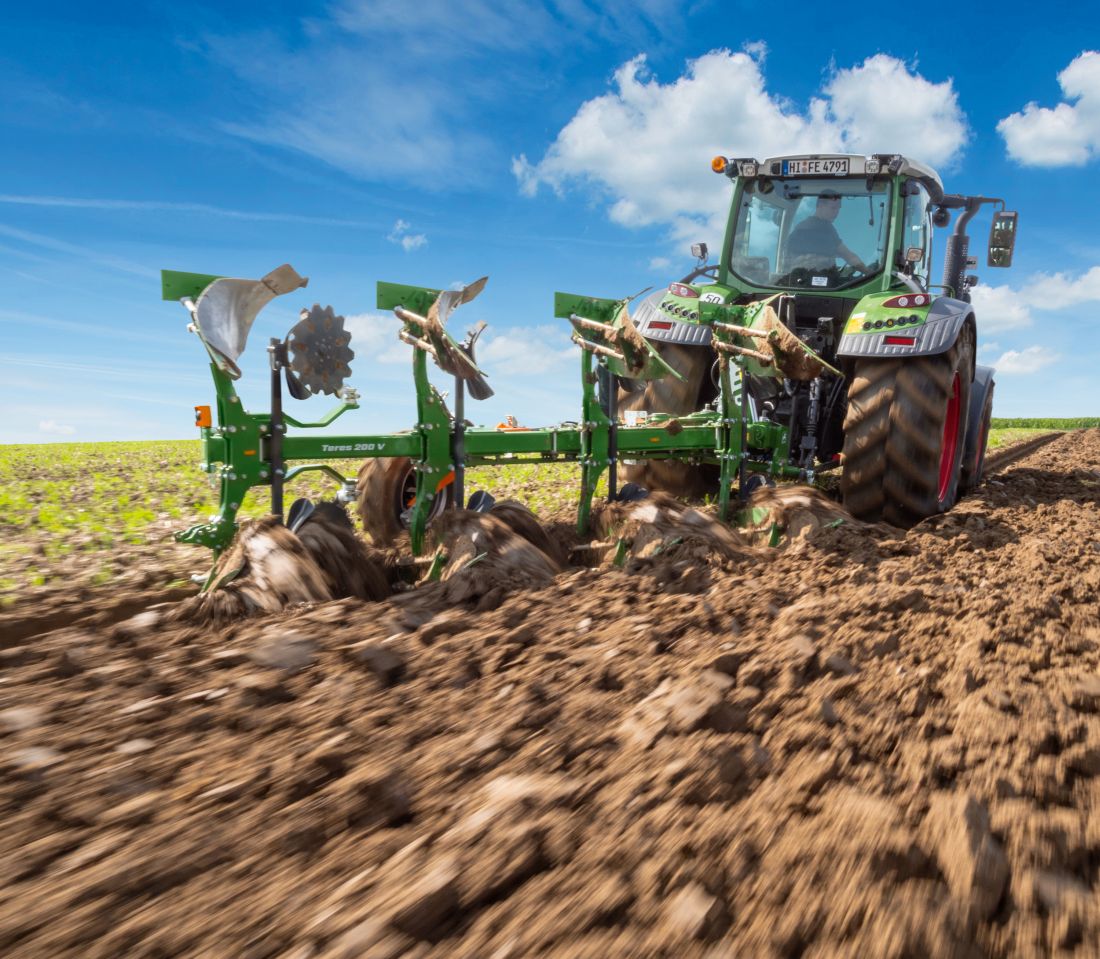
910,299
718,164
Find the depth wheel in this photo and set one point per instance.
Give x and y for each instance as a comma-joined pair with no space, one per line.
904,435
384,490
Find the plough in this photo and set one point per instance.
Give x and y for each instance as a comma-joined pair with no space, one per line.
242,450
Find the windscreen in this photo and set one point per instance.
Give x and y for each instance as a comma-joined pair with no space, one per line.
823,233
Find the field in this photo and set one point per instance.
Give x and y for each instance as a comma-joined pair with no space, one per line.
92,514
864,742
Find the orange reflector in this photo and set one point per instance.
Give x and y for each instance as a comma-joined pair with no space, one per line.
249,452
202,416
718,164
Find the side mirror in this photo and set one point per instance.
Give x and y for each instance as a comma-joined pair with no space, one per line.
941,217
1002,238
699,251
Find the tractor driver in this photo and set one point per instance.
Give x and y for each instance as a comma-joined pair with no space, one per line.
814,242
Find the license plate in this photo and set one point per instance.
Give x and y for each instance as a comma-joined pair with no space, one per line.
829,167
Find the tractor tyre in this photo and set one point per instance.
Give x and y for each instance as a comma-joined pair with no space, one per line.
904,435
678,397
973,471
384,489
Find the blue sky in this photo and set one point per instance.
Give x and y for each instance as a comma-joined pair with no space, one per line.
563,145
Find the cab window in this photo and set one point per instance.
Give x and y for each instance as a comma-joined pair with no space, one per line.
916,231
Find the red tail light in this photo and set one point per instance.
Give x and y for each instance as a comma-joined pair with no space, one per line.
678,289
659,325
908,299
899,340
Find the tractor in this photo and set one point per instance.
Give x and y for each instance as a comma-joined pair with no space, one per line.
840,248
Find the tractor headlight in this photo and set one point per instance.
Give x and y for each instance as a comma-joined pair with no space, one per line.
872,166
747,167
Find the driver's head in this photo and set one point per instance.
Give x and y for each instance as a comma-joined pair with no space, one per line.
828,205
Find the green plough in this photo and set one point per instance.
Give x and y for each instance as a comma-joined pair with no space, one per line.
245,450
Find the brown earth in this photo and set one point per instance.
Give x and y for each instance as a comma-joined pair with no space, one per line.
870,743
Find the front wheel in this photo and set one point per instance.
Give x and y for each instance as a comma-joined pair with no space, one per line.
904,435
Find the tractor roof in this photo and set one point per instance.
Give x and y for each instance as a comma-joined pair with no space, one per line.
906,167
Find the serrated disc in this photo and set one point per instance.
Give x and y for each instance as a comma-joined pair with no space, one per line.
318,349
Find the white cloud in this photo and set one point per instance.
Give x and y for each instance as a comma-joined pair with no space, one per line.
660,263
89,254
1006,308
56,429
401,235
1068,134
532,350
374,337
386,90
355,107
161,206
1031,359
882,106
999,308
630,143
1058,291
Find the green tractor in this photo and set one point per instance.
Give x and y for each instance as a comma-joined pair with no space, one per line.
840,248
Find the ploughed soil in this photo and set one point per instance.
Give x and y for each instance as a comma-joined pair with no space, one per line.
866,742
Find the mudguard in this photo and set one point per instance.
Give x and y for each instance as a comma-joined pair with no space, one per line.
981,388
946,317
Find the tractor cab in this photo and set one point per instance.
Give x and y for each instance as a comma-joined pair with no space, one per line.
828,225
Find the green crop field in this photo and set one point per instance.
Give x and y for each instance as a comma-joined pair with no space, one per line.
1048,423
62,504
67,508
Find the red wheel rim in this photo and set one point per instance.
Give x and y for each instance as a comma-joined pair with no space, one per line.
950,445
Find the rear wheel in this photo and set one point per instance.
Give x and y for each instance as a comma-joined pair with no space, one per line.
678,397
904,435
385,489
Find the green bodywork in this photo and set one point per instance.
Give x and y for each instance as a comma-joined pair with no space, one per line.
870,316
